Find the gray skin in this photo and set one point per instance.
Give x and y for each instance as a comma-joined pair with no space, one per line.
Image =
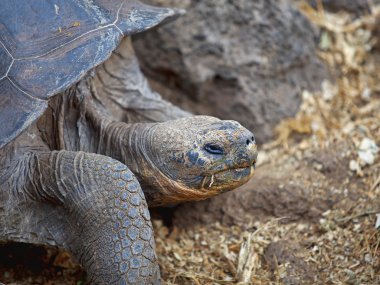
75,177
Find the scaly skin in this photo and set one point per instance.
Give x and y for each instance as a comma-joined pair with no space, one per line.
91,205
171,159
81,199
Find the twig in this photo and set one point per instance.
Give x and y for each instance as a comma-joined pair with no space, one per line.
246,260
377,182
349,218
204,277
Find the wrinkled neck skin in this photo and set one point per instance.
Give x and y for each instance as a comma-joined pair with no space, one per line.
128,144
168,158
135,150
78,121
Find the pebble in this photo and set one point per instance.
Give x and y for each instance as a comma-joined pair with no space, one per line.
329,90
354,165
366,94
368,258
377,226
367,151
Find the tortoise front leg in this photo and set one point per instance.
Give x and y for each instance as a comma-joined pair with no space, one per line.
93,206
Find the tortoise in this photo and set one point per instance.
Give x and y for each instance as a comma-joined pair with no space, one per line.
85,144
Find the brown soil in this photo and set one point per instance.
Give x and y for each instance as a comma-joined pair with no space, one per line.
307,217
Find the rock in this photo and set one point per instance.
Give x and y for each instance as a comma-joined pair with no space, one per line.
244,60
367,151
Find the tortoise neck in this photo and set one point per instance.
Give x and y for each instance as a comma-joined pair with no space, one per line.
132,145
124,142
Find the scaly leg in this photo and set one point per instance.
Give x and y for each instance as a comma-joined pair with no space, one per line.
91,205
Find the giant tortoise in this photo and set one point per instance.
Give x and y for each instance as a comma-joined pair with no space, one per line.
86,145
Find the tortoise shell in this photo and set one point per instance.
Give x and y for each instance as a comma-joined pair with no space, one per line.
47,46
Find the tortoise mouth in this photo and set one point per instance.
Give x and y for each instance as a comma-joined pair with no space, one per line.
227,179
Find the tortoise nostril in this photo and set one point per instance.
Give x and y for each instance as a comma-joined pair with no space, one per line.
250,140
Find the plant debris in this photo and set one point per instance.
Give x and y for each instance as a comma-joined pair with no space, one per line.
342,246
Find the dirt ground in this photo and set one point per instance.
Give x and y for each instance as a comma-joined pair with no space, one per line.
309,214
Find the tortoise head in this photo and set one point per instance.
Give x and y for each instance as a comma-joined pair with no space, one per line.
198,157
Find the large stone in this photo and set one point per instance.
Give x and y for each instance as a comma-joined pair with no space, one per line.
244,60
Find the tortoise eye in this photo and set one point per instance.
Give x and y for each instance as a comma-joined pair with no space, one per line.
213,148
